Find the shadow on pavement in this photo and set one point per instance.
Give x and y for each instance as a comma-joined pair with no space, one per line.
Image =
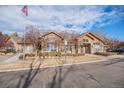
29,76
59,77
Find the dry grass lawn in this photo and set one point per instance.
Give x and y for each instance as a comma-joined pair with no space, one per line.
40,62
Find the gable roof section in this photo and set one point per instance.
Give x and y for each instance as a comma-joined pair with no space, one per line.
86,34
53,33
8,42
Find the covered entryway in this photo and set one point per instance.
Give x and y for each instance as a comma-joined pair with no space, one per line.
87,48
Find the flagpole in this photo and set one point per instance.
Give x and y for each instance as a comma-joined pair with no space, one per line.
25,11
24,46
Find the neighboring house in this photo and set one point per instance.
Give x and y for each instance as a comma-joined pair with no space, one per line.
15,43
8,46
27,46
86,43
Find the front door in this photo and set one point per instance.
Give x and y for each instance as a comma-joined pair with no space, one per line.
88,48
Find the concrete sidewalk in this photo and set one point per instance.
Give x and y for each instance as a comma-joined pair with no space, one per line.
4,58
12,59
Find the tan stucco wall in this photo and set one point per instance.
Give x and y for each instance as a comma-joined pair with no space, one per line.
54,39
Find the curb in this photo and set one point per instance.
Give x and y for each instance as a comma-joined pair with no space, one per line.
21,69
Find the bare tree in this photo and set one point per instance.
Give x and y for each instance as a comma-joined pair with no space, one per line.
32,35
3,39
71,39
120,45
113,43
110,42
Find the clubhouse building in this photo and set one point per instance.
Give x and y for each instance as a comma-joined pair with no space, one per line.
87,43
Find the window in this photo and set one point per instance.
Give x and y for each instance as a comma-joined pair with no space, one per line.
50,46
85,40
96,47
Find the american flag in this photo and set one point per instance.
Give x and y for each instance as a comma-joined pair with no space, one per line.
25,10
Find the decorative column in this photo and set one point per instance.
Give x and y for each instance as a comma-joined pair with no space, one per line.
79,49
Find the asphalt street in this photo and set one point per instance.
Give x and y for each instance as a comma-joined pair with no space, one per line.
105,74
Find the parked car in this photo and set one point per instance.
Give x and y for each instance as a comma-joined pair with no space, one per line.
111,50
118,50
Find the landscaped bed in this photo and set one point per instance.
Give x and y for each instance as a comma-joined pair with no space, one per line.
48,62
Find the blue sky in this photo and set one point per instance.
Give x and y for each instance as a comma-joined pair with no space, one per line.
107,19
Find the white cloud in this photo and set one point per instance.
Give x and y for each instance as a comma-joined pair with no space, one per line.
81,18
